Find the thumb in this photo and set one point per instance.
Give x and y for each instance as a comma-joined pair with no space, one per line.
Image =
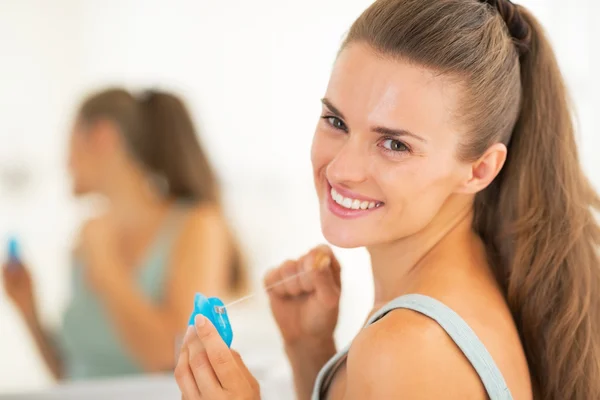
327,287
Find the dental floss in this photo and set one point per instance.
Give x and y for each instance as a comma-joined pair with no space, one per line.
214,310
221,309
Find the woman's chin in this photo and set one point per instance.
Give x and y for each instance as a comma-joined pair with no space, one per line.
342,238
79,191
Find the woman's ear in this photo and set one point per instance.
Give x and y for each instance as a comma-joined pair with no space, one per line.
485,169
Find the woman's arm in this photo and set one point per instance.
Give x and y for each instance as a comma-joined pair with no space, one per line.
46,346
19,287
199,264
306,310
306,361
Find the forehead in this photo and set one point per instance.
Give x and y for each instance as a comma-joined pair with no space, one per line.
376,90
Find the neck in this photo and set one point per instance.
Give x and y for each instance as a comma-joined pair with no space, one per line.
132,198
396,265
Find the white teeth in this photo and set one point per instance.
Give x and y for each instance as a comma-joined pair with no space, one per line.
353,204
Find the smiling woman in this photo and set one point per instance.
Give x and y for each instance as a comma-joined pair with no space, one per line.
445,147
392,136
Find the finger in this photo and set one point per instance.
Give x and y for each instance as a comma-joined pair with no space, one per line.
190,333
184,377
291,279
327,289
307,281
326,250
272,276
275,276
334,264
245,371
317,258
219,355
202,370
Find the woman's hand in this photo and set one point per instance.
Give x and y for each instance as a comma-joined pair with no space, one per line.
306,307
19,288
208,369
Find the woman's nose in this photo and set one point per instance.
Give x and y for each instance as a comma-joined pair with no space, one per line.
350,165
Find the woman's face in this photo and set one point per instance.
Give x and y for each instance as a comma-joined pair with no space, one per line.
90,154
384,151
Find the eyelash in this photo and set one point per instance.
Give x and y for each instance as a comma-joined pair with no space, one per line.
405,149
331,119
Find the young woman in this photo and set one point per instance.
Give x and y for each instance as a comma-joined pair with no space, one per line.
445,147
163,238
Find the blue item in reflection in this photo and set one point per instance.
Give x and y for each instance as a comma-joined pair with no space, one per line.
13,252
213,309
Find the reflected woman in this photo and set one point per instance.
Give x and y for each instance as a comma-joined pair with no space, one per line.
162,238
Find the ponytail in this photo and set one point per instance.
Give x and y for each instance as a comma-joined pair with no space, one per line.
170,148
538,224
173,151
536,218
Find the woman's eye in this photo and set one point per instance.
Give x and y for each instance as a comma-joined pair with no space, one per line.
336,123
395,145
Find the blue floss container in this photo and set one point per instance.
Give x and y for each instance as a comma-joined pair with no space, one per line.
213,309
13,253
13,249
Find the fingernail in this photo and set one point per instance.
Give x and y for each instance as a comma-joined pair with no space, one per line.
322,261
188,334
190,331
200,320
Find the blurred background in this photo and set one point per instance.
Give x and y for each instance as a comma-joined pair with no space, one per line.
252,74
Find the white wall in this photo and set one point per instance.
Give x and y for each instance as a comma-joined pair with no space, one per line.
39,76
253,73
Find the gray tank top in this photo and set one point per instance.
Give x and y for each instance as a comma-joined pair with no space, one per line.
455,327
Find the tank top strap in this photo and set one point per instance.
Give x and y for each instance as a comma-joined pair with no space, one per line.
171,226
152,272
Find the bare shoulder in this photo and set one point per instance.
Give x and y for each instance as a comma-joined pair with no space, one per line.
200,259
204,220
202,231
204,238
206,212
407,353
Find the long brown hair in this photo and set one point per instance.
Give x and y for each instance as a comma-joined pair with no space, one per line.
160,134
536,218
